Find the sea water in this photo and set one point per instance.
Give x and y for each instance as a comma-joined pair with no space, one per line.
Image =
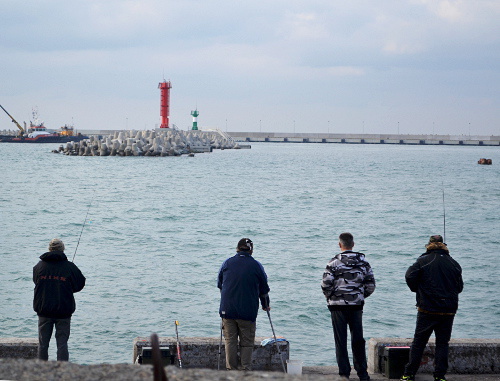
158,230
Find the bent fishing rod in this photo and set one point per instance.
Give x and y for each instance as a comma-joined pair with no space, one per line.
83,226
267,308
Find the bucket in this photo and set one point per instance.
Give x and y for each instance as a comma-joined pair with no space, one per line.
294,366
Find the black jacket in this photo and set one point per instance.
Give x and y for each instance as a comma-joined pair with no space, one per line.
56,279
437,279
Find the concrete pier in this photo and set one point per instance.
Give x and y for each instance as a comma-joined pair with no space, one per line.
36,370
470,360
20,348
284,137
466,356
202,352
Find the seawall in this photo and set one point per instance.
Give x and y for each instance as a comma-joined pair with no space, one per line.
470,359
284,137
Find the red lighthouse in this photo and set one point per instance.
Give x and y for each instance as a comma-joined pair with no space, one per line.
165,103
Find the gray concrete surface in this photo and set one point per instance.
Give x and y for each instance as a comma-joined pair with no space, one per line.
333,371
465,355
202,352
21,348
36,370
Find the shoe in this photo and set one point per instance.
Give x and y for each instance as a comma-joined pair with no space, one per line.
344,378
407,378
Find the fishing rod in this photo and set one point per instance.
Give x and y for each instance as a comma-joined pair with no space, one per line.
84,222
275,340
178,344
220,342
444,218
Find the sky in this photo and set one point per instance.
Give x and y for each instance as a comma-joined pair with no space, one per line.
374,67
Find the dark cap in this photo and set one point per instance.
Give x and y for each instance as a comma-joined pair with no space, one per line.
245,244
435,238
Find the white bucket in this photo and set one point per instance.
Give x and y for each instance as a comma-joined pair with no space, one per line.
294,366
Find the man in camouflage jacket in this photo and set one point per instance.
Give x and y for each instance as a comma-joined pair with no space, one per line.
347,281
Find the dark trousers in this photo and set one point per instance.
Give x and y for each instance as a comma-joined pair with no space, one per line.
441,325
354,320
45,328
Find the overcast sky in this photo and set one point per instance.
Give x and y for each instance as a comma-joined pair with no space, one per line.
374,66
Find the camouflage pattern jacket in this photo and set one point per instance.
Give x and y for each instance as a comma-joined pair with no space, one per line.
348,279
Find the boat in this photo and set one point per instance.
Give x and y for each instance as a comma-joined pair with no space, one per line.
38,133
51,138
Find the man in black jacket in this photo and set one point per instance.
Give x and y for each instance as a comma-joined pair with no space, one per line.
56,280
437,280
242,282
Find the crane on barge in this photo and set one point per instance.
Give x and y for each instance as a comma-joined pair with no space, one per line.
21,130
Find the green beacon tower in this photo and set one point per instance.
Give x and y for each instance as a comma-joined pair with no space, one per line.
195,114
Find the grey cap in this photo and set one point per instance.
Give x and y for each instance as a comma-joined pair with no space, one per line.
56,245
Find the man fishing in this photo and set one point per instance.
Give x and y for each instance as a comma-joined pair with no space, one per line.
56,280
436,278
348,279
242,281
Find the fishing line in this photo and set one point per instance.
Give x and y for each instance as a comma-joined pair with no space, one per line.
83,226
444,218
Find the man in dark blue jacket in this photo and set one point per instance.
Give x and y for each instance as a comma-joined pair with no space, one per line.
242,281
56,280
436,278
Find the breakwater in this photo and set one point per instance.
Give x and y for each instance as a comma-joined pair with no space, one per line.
469,359
202,352
466,356
283,137
159,142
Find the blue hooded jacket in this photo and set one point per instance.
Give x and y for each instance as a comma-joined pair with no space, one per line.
242,281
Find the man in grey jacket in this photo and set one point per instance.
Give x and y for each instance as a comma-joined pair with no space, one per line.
347,281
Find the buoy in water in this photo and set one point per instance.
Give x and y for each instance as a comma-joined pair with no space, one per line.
485,161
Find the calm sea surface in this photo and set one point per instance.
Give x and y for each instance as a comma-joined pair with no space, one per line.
159,229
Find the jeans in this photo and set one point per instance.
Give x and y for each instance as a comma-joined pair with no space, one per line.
340,321
426,324
245,330
45,328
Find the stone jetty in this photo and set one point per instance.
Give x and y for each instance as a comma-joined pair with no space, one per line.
159,142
